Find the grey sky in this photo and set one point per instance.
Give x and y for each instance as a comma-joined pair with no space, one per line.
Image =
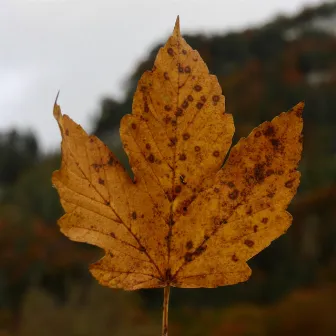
87,48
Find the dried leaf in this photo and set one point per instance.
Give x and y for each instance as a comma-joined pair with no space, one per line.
184,220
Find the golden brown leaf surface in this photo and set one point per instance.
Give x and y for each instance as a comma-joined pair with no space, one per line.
184,220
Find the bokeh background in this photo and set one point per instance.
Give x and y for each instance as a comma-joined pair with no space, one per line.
267,55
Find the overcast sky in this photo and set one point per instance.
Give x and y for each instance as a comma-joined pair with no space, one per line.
87,48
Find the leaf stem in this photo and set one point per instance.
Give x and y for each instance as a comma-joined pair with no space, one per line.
165,311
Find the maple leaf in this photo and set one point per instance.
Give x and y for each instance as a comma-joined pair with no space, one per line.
185,220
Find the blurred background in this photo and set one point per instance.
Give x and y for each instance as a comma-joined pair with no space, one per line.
267,56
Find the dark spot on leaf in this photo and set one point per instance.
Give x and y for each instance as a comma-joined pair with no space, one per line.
182,157
189,245
179,112
187,69
112,235
170,51
234,258
190,98
133,125
110,161
257,134
234,194
198,88
101,181
180,68
184,52
269,132
151,158
269,172
66,132
167,108
199,105
188,257
186,136
107,202
166,76
223,221
146,107
167,119
249,211
280,172
182,179
275,143
215,153
255,228
259,172
134,215
96,167
173,122
264,220
216,190
249,242
200,250
206,237
178,189
185,104
231,184
142,249
197,148
289,184
148,146
215,98
203,99
270,194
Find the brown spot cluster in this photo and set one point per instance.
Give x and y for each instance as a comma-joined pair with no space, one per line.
198,88
249,242
96,167
234,194
259,172
269,131
134,215
189,256
101,181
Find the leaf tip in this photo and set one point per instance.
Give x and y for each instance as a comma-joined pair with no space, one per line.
57,110
177,31
298,109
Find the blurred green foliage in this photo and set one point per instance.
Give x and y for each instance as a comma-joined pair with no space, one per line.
263,71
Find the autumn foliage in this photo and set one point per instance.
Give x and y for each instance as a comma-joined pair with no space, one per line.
184,220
